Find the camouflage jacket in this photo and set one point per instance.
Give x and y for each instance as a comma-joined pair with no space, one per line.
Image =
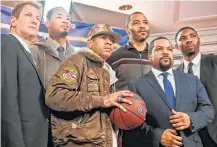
74,95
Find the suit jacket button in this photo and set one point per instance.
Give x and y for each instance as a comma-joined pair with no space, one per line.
4,144
47,120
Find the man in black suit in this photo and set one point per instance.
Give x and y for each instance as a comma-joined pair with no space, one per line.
177,103
203,66
24,115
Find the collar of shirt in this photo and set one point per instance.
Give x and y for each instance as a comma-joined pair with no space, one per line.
170,77
195,61
54,44
157,73
130,46
195,67
22,42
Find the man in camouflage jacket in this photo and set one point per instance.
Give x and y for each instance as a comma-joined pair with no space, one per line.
79,95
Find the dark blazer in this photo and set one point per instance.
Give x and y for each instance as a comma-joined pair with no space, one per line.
191,98
208,77
23,111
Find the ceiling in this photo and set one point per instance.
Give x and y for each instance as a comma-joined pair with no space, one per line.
163,16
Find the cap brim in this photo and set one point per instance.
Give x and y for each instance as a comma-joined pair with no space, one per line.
115,35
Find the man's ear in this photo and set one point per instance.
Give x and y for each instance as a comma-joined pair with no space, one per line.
47,24
71,26
89,43
149,56
176,46
127,30
199,40
13,21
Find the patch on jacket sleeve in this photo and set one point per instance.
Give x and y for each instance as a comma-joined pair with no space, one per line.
70,74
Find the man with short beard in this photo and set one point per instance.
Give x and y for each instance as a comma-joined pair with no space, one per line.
131,61
50,51
177,103
203,66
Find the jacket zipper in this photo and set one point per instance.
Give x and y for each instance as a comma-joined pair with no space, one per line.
140,56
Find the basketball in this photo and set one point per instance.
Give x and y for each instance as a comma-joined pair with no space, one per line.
133,118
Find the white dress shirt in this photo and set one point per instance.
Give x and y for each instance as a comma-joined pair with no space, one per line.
159,77
22,42
195,67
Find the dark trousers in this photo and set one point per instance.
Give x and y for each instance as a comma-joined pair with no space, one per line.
206,139
50,142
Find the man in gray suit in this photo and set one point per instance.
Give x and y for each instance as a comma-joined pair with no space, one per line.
205,68
23,110
177,103
49,52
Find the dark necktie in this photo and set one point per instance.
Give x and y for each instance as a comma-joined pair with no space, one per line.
61,53
31,57
190,70
168,90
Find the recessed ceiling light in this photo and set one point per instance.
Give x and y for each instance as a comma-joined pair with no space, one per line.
125,7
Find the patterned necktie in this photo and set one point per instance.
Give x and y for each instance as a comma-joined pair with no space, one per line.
190,70
168,90
61,53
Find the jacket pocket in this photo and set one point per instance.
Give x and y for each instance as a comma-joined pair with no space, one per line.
197,138
92,83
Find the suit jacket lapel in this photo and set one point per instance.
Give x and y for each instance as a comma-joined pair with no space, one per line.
31,61
178,87
154,83
181,67
203,69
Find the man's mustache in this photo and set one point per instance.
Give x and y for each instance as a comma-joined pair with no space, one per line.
143,30
165,57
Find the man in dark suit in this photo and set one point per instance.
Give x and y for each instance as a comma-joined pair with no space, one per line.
177,103
203,66
23,113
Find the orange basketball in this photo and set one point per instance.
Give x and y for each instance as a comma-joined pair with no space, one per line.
133,118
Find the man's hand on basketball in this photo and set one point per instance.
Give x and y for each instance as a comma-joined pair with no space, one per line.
115,99
180,120
170,138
